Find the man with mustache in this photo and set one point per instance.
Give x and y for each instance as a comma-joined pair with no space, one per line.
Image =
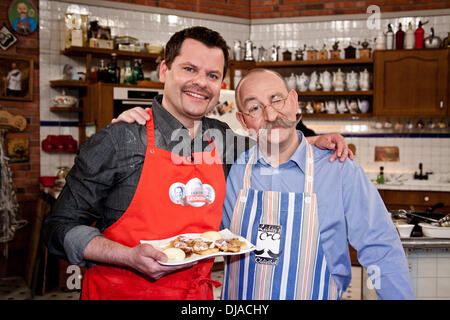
125,176
302,210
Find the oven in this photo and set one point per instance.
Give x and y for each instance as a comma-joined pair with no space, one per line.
126,98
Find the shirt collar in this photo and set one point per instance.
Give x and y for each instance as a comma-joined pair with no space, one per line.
167,123
298,157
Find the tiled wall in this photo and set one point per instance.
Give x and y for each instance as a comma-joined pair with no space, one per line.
430,272
156,28
153,28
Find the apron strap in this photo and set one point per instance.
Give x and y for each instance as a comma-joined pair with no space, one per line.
309,169
248,170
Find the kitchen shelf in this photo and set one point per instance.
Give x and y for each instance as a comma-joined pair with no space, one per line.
106,53
68,83
335,93
66,109
336,115
275,64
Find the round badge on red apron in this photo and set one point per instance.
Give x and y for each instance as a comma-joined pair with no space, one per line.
172,197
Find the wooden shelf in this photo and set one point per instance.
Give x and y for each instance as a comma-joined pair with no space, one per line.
66,109
334,93
68,83
337,115
106,53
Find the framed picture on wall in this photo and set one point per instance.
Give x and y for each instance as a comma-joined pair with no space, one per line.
7,38
16,77
22,15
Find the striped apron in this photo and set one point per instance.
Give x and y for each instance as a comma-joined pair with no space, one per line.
289,262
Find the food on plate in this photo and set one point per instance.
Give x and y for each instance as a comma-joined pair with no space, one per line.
211,235
175,254
230,245
207,243
204,247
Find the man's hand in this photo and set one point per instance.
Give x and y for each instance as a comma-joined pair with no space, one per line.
144,258
332,141
136,114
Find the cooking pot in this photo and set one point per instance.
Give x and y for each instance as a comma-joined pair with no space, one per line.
431,41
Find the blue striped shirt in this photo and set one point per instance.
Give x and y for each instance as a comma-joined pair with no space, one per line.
350,211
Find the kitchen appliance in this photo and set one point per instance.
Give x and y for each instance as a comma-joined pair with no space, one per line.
126,98
249,50
432,42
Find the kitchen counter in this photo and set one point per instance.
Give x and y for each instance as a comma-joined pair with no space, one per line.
424,242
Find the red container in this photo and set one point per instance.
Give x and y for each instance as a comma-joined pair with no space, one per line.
419,35
47,181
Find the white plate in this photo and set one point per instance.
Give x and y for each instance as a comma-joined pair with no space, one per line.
431,231
226,234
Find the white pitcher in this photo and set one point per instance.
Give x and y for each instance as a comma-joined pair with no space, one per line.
291,82
352,81
364,80
302,82
338,80
325,80
313,81
341,106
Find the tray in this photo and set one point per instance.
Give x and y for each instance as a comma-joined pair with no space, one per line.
226,234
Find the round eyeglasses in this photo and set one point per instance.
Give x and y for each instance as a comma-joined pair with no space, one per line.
256,109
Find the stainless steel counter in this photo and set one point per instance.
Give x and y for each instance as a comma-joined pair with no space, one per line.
424,242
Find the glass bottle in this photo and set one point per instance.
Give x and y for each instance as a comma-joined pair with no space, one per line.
128,74
389,38
399,37
380,178
112,68
102,73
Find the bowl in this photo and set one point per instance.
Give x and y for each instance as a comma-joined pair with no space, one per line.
404,230
64,101
432,231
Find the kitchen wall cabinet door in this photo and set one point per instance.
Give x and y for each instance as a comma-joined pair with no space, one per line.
411,83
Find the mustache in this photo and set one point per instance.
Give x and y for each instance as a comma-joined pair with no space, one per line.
283,122
197,89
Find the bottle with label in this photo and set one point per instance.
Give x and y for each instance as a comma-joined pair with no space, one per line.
399,37
389,38
102,73
409,38
380,178
128,74
419,36
113,76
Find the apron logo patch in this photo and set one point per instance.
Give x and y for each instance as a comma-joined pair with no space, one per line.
268,244
193,193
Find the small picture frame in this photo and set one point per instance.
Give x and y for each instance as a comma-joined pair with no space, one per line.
16,77
22,15
7,38
18,149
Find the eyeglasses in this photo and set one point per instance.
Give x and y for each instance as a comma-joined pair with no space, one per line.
256,109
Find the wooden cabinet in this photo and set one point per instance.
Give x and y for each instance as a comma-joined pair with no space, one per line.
95,99
421,200
286,68
411,83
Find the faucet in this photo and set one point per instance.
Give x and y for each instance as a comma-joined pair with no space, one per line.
421,176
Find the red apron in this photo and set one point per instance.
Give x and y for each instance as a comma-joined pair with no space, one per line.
156,212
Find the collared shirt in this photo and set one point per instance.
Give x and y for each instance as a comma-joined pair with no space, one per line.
350,210
104,178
